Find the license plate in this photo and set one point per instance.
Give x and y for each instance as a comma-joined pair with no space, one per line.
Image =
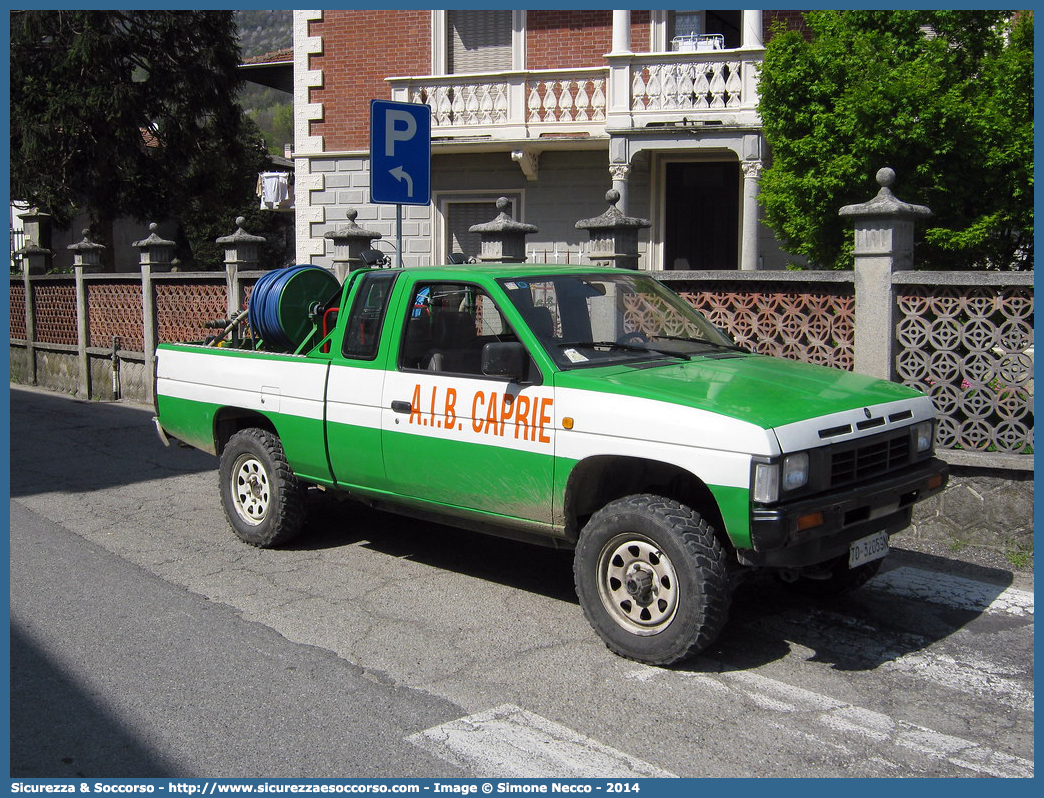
864,550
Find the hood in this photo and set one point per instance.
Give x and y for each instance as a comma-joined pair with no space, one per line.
765,391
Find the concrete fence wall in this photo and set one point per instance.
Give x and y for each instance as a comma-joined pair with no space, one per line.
965,338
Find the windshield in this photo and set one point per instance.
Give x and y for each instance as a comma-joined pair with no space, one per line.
598,319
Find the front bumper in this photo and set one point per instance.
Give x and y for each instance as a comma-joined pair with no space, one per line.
778,541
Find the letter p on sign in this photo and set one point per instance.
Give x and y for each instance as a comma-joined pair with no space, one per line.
399,126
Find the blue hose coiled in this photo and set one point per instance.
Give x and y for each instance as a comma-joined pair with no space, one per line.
264,307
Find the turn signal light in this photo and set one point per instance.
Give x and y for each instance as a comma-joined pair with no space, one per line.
808,521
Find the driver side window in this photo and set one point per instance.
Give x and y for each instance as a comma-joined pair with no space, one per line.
448,325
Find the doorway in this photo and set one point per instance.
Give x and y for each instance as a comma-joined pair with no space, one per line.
701,215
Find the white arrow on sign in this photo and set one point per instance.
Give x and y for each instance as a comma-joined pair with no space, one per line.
400,174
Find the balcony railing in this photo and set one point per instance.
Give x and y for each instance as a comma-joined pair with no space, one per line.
633,91
689,84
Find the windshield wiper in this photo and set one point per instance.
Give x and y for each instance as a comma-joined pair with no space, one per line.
617,345
700,342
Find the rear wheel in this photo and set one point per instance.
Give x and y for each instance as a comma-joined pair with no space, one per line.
652,580
263,500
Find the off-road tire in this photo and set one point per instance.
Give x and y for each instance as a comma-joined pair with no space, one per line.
655,539
263,501
842,579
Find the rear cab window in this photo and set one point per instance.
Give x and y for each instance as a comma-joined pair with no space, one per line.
362,334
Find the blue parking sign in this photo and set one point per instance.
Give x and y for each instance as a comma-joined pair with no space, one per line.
400,153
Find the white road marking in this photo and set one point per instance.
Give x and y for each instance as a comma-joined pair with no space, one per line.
953,591
840,716
509,742
967,675
911,654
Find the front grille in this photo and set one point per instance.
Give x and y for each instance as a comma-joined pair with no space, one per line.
869,458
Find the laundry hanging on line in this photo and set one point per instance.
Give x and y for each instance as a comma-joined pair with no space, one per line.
276,190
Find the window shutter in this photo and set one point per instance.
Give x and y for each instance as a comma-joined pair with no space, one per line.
461,216
480,41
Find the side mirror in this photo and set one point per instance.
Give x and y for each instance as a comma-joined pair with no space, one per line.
374,257
507,360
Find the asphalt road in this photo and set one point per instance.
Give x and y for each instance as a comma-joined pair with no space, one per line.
146,640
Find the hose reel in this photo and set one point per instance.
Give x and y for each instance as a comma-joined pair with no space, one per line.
284,301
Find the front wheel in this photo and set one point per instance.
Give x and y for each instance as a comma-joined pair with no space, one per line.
263,500
652,580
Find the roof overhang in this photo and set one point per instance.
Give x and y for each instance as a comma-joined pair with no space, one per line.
274,74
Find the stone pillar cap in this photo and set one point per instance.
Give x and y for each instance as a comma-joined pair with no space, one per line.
613,218
503,223
86,245
32,248
153,240
33,213
241,236
886,204
351,229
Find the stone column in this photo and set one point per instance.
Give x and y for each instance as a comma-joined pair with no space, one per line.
752,31
621,32
30,328
620,173
614,237
884,229
83,382
37,227
240,256
349,242
503,239
148,327
86,260
749,259
618,85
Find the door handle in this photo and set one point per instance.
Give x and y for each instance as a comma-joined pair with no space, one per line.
400,406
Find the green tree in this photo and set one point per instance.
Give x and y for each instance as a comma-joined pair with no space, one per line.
943,97
130,113
276,123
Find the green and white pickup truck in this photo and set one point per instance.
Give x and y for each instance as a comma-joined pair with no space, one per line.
585,408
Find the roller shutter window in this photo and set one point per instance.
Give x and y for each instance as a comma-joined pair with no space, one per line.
462,215
479,41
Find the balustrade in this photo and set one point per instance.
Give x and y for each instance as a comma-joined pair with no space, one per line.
506,104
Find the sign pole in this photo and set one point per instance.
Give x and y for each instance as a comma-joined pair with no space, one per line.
398,232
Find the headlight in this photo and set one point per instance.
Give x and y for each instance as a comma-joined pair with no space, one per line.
923,436
770,479
795,471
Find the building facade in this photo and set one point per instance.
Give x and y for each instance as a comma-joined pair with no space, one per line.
548,109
